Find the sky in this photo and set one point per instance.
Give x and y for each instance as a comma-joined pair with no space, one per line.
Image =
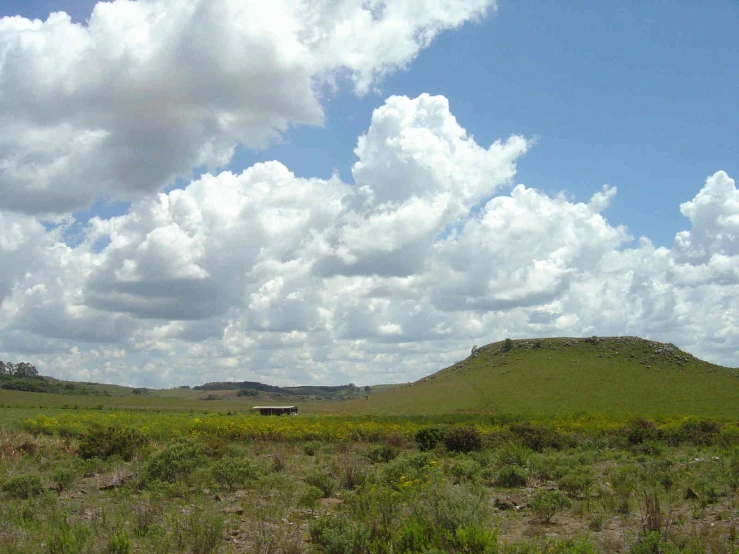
302,192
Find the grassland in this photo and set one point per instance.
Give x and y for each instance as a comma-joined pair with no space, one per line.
543,446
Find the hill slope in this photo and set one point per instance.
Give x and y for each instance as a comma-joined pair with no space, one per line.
544,377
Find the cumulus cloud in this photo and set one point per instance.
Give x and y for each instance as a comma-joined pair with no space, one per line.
264,275
147,90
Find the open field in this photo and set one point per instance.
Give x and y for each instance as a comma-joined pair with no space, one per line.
119,481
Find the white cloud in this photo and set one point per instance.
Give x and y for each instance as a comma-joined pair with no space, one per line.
147,90
272,277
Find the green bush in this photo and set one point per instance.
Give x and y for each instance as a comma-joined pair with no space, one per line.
233,472
103,442
463,439
545,504
465,470
119,543
310,497
23,486
641,430
320,480
576,482
512,476
311,447
536,436
514,453
429,438
177,461
333,535
381,453
653,543
476,539
205,531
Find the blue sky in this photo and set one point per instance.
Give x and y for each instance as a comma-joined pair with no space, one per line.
640,96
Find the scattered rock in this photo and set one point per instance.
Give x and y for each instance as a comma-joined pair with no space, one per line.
237,510
690,494
218,498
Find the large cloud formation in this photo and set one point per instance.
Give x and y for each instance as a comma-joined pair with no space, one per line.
147,90
269,276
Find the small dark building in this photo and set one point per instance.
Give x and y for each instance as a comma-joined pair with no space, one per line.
276,410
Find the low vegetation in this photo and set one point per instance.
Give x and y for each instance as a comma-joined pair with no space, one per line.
116,481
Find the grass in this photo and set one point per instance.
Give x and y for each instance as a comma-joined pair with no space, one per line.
363,485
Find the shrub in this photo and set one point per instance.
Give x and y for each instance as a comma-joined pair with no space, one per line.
247,392
463,439
429,438
233,472
311,447
381,453
514,453
641,430
653,543
576,482
103,442
476,539
310,497
545,504
537,437
175,462
450,507
23,486
205,531
321,481
119,543
339,536
700,433
512,476
465,470
507,346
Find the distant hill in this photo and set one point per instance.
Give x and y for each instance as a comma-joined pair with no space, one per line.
545,377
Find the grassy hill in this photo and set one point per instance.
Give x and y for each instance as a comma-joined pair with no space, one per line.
545,377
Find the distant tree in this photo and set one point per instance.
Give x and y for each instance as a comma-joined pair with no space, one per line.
507,345
24,369
367,388
21,369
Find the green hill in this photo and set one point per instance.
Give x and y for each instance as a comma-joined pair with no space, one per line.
544,377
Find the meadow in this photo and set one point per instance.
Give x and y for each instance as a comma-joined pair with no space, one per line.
106,479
